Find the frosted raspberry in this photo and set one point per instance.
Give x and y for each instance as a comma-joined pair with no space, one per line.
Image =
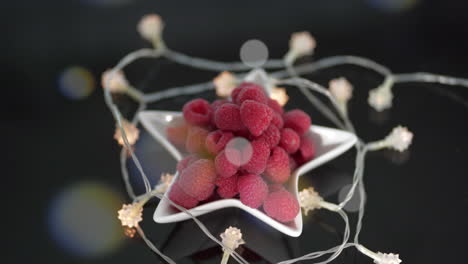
306,151
236,92
207,193
227,162
282,206
177,132
275,187
292,163
271,135
252,190
227,117
289,141
198,178
252,92
227,187
277,120
197,112
298,120
277,169
255,116
196,138
258,160
182,164
217,103
273,104
217,140
178,196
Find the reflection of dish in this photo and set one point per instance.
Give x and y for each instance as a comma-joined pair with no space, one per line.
330,143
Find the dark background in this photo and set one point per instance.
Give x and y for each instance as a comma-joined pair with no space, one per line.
57,146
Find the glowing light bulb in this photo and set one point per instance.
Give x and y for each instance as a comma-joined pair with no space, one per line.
302,43
224,83
164,183
381,97
341,89
115,83
232,238
399,139
150,27
131,131
279,94
129,232
131,214
309,200
384,258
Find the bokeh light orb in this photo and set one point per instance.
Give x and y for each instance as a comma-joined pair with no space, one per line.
393,5
254,53
353,205
76,83
83,220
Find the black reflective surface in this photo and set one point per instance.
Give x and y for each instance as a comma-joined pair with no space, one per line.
62,178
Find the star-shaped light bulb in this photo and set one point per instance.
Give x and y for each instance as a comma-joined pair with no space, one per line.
231,239
224,83
300,44
279,94
381,97
384,258
131,131
399,139
131,214
150,27
341,89
164,183
310,200
115,83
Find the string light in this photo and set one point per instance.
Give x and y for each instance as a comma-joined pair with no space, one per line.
300,44
342,90
164,183
116,83
231,239
399,139
381,97
309,200
379,257
150,28
224,83
279,94
131,214
131,131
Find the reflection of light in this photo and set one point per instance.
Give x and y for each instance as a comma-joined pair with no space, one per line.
393,5
76,83
169,118
83,219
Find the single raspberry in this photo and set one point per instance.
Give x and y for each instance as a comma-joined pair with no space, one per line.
282,206
177,132
290,140
217,103
184,163
253,92
275,187
252,190
273,104
277,169
197,112
227,162
277,120
292,163
298,120
255,116
196,138
178,196
306,151
217,140
236,92
227,187
258,159
271,135
227,117
207,193
198,178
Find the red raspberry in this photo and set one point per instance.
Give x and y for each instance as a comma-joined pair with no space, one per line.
275,187
177,132
273,104
277,120
258,160
292,163
253,92
178,196
197,112
182,164
198,178
255,116
277,169
206,193
227,162
217,140
282,206
271,135
289,141
236,92
252,190
306,151
196,140
227,187
298,120
217,103
227,117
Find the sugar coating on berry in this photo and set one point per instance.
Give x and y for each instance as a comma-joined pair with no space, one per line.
277,169
258,160
196,138
297,120
282,206
252,190
275,187
277,120
178,196
255,116
217,140
198,178
306,151
227,117
217,103
197,112
184,163
253,92
290,140
273,104
227,187
177,132
227,162
271,135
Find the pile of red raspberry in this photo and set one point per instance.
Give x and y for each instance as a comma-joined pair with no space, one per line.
245,147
